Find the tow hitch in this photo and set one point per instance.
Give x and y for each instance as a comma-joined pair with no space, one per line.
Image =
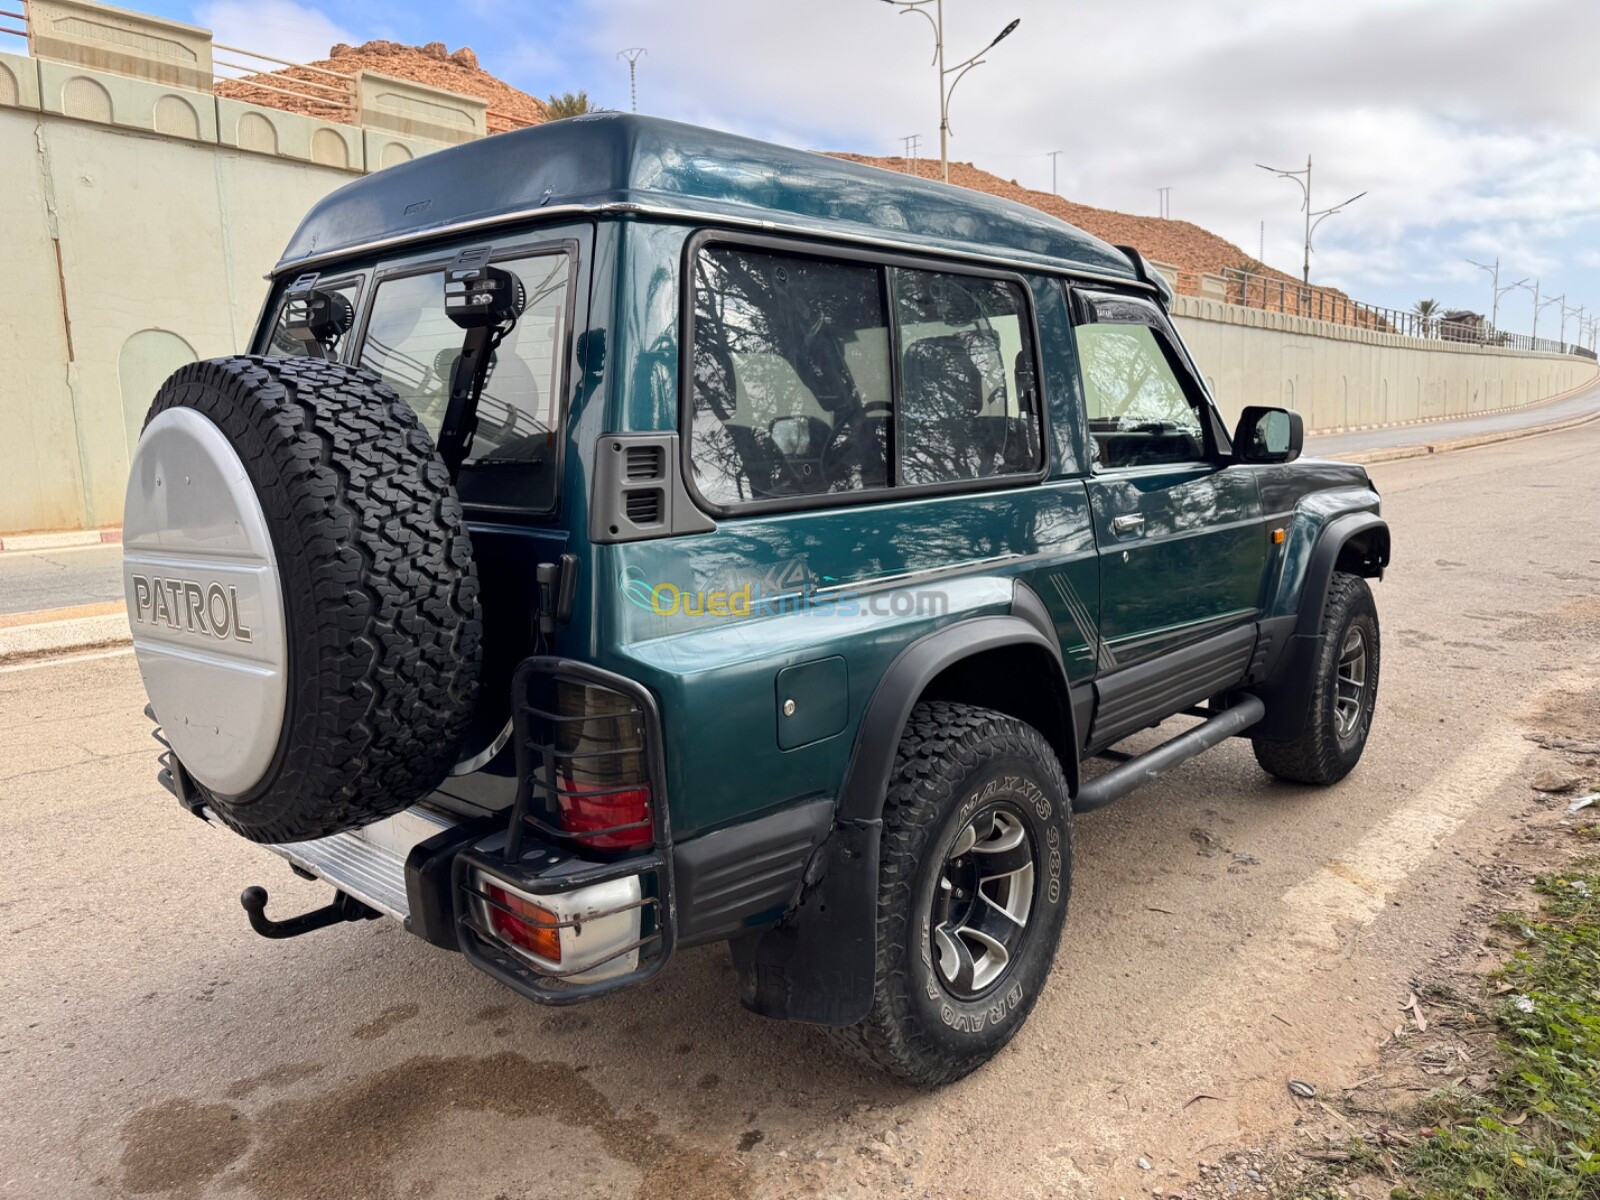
344,908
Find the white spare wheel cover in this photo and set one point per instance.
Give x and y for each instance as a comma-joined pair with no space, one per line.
205,602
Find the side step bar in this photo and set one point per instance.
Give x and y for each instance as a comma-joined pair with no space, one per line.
1138,771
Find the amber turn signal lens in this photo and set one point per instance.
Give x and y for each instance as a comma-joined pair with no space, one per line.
1277,537
524,924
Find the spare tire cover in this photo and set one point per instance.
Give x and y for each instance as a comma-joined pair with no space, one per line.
302,594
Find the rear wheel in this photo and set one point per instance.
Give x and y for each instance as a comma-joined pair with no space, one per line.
975,870
1343,695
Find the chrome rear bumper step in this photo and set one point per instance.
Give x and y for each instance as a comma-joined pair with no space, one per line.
369,863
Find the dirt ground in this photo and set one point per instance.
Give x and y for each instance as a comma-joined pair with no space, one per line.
1227,934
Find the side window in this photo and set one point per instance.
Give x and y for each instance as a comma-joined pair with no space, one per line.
283,344
1139,413
968,403
790,376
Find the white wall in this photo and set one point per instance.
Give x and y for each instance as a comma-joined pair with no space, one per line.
1339,377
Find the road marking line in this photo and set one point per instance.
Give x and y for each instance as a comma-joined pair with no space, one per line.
61,662
54,616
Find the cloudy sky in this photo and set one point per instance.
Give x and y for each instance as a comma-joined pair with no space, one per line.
1473,125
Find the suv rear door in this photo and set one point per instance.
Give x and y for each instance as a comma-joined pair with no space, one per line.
1181,541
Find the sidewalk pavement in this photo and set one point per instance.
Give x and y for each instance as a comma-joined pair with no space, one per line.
56,589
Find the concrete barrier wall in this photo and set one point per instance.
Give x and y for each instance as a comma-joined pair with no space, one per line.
137,220
1339,377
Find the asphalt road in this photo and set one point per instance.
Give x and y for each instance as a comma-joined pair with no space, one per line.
31,580
1549,413
1227,933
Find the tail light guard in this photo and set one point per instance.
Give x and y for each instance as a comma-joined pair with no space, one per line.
590,815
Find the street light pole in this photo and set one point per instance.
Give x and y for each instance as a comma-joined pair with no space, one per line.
1535,290
1544,304
1054,155
960,69
1494,310
1313,219
633,54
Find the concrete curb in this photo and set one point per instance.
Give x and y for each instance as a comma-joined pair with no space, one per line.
50,638
1423,449
14,543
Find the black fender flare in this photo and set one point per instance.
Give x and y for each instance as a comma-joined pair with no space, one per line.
1287,691
819,963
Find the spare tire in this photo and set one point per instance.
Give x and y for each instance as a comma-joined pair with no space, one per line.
302,594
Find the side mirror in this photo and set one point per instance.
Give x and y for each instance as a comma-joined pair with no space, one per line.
1269,435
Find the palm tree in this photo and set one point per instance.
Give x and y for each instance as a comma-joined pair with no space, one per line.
1429,311
569,104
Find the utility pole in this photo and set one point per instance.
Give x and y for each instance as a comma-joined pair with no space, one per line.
912,142
1261,249
959,70
1054,190
1164,198
1313,219
1494,309
633,54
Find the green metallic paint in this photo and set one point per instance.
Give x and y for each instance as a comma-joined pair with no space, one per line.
883,573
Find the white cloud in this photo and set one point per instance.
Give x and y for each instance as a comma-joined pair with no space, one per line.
1474,125
280,28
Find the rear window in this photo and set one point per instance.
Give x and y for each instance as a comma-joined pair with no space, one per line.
413,346
813,377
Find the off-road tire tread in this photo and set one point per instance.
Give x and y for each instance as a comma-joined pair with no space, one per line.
1315,757
384,644
939,736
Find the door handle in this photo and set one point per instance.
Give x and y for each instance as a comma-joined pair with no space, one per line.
1128,526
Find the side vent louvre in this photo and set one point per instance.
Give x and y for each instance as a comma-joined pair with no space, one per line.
642,506
638,490
643,464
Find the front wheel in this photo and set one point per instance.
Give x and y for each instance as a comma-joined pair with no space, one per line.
1344,692
975,869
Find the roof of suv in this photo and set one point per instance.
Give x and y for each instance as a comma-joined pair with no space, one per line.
622,162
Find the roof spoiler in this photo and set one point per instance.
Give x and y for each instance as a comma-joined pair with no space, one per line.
1147,274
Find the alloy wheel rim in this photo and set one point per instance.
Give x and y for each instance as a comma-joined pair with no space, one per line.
982,901
1350,685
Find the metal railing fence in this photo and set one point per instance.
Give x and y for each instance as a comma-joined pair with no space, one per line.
1274,294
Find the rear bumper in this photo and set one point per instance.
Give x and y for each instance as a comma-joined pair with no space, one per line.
433,875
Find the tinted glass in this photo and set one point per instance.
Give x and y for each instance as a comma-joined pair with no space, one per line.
1139,414
413,345
790,377
968,403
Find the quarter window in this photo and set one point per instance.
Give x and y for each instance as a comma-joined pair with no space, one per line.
793,374
1139,412
791,377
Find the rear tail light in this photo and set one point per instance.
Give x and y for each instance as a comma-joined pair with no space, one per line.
524,924
601,789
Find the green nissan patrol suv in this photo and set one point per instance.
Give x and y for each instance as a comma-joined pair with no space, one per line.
622,537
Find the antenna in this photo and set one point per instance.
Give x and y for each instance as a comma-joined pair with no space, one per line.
633,54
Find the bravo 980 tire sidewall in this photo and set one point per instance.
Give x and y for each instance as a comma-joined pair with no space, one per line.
955,763
983,1024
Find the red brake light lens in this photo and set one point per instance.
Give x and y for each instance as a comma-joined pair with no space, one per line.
602,783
